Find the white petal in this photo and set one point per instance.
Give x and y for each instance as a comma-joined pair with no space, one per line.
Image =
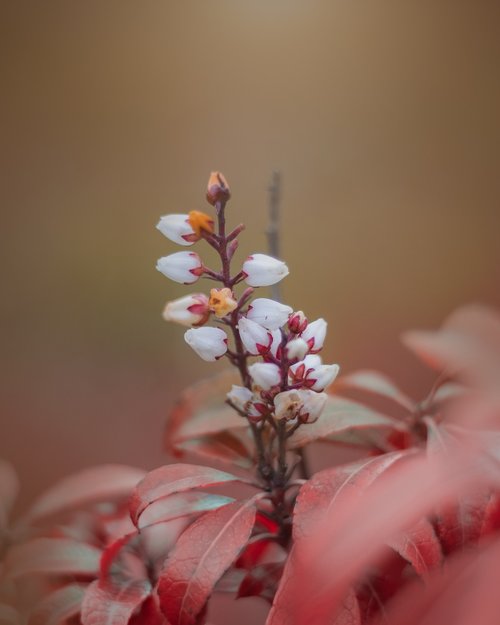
315,334
264,270
268,313
296,348
188,310
240,396
209,343
256,339
265,375
183,267
176,228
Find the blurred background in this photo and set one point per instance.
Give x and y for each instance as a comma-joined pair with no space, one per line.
383,118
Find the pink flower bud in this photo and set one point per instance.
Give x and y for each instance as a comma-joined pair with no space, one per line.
268,313
256,339
190,310
263,270
183,267
315,334
209,343
265,375
297,322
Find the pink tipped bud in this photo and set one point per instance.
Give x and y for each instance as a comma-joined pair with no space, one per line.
256,339
297,322
190,310
315,334
263,270
209,343
183,267
268,313
265,375
217,188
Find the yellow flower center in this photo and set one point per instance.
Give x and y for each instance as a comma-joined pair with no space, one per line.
200,221
221,302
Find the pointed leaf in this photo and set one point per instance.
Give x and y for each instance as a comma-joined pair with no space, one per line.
171,479
59,606
341,416
221,447
202,410
182,504
420,547
96,484
376,383
55,556
201,556
109,604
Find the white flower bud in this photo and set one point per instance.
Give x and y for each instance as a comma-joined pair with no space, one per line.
323,376
183,267
315,334
263,270
300,370
240,397
265,375
270,314
177,228
209,343
302,404
189,310
256,339
296,348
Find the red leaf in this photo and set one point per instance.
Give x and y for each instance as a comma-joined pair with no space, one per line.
349,612
108,604
202,554
183,504
339,417
327,489
59,606
221,447
420,547
378,384
202,410
261,581
55,556
170,479
96,484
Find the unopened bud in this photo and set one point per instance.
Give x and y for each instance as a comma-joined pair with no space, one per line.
217,188
297,322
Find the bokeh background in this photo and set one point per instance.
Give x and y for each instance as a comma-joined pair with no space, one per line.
382,116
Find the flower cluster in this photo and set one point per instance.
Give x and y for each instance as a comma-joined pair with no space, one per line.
274,348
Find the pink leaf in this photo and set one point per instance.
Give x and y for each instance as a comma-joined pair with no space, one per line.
420,547
349,612
467,345
96,484
110,604
342,416
170,479
59,606
203,553
221,447
202,410
378,384
182,504
55,556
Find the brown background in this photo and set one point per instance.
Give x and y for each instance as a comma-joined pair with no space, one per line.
382,116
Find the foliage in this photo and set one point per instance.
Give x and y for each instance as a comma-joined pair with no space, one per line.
406,533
